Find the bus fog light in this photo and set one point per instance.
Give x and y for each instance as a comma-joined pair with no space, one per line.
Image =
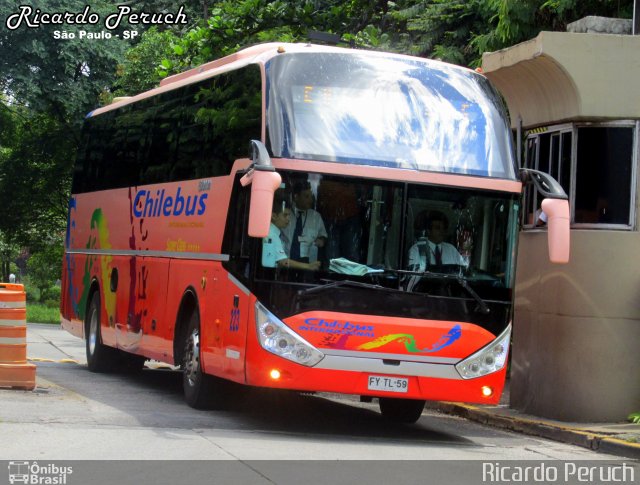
490,359
487,391
275,337
275,374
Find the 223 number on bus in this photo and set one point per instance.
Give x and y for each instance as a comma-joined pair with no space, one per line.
390,384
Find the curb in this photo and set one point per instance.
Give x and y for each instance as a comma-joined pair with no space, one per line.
544,429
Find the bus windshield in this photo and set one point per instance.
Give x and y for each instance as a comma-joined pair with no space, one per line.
386,111
405,236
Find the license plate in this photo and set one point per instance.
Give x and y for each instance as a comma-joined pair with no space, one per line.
389,384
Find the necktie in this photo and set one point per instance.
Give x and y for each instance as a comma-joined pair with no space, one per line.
438,255
295,243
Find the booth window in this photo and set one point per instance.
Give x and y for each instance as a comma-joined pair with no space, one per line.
594,163
603,175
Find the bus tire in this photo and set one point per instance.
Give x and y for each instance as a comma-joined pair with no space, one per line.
201,391
406,411
99,356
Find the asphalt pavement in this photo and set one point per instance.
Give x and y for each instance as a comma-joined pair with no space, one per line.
49,343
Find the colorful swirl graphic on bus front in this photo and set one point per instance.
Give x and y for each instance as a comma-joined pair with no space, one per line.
338,333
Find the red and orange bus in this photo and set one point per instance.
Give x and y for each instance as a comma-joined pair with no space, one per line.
170,210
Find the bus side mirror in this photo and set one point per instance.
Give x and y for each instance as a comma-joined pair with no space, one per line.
558,232
264,182
556,207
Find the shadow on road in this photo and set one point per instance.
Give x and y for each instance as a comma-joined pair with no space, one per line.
153,397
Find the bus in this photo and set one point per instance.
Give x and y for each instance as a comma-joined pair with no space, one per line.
172,208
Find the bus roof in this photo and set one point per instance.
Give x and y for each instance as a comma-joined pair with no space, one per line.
257,54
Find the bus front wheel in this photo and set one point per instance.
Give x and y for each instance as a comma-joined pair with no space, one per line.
201,391
401,410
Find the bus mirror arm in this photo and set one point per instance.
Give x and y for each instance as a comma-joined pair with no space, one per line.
264,182
545,183
260,157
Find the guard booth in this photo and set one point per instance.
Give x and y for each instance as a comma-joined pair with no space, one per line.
575,99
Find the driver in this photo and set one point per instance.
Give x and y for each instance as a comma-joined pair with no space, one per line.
433,250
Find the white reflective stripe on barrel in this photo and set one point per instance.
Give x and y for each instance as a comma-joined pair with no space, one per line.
13,304
13,323
12,340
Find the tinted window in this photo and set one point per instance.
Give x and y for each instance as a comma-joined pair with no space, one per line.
192,132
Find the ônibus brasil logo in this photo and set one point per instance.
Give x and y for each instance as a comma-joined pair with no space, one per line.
36,474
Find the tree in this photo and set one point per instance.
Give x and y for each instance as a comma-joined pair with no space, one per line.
139,70
514,21
240,23
8,253
35,170
60,77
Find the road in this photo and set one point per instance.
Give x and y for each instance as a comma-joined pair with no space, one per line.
78,415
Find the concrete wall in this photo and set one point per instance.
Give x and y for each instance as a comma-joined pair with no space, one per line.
561,76
576,340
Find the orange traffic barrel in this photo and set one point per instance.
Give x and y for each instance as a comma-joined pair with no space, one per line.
15,372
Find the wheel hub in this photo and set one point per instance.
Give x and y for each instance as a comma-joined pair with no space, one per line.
93,332
192,358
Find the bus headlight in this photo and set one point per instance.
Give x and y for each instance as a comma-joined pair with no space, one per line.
275,337
487,360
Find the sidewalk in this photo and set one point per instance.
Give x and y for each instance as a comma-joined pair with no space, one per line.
51,343
621,439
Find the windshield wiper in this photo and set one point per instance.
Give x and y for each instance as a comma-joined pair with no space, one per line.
336,284
484,309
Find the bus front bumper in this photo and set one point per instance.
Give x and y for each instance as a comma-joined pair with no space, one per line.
375,377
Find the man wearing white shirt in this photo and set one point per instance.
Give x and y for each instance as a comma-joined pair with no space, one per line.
306,232
433,251
273,250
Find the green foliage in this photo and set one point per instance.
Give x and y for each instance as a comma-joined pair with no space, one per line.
35,177
52,293
39,313
52,303
233,25
44,268
32,291
457,31
440,28
514,21
8,253
634,418
59,77
139,71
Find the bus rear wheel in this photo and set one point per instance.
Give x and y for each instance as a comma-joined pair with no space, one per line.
406,411
99,356
201,391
